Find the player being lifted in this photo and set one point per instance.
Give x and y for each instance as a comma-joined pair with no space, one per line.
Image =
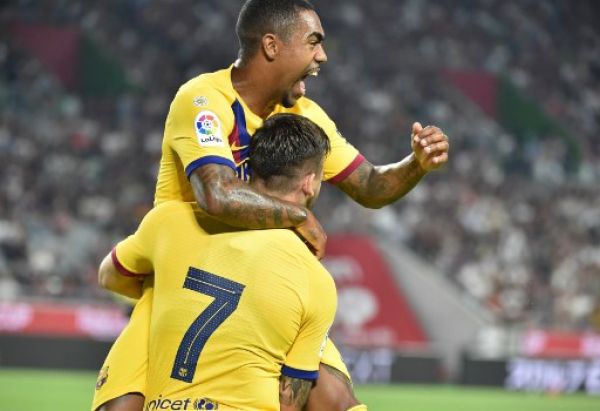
206,150
235,313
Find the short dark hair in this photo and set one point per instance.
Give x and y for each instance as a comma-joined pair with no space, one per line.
259,17
286,146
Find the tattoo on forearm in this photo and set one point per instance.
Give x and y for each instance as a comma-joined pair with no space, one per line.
375,187
219,192
294,391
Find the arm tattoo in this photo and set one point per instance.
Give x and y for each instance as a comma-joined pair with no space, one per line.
377,186
222,195
340,376
293,392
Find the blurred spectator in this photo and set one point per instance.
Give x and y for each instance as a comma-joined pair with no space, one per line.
507,221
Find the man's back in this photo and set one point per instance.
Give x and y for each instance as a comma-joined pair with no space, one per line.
230,309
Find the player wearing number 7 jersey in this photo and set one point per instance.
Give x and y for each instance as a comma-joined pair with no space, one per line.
235,314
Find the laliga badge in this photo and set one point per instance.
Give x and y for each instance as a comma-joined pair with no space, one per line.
208,129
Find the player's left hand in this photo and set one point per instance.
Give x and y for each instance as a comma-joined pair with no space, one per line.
430,146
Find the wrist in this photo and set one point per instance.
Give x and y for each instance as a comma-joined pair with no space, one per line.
416,164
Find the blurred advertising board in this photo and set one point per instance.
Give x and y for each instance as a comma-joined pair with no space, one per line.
62,320
534,374
560,344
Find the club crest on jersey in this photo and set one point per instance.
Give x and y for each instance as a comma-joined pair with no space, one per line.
323,344
208,129
200,101
102,377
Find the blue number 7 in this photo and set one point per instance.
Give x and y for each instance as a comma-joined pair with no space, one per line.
227,295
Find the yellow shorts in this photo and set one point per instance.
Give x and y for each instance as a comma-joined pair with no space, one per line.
124,369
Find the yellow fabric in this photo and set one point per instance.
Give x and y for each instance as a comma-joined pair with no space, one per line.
360,407
124,369
286,306
201,128
333,358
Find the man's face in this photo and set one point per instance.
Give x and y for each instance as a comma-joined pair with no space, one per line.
301,56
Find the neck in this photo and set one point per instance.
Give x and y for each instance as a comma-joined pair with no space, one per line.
294,196
253,82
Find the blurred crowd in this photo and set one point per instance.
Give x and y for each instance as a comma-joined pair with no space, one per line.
507,220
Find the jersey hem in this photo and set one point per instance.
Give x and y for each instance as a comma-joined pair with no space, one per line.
120,267
358,160
296,373
208,160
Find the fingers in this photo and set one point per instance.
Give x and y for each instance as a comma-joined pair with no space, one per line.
432,134
416,128
436,147
313,235
441,159
430,146
427,135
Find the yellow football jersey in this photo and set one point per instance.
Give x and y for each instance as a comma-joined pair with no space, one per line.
231,311
124,369
208,122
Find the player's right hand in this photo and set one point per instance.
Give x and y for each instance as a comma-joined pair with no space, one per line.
313,234
430,146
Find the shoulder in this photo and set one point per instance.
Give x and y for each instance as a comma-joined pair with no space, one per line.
308,108
311,110
208,90
281,245
167,211
286,248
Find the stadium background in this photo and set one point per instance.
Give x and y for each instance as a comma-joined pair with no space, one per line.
488,273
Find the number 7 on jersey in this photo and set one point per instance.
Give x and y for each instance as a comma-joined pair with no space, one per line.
226,295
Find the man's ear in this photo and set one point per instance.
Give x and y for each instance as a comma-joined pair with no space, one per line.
308,185
270,46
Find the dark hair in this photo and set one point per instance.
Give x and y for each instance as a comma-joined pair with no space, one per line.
284,147
259,17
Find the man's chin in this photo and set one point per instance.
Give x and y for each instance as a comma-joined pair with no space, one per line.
288,101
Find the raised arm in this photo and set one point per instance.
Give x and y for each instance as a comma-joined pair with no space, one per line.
377,186
223,196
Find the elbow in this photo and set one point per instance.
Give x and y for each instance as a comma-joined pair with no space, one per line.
212,199
372,202
213,204
374,205
212,196
104,273
103,279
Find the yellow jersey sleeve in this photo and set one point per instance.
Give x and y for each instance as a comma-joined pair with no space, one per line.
197,127
303,358
344,158
133,255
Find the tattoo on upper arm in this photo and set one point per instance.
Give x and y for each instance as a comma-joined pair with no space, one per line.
293,392
220,193
338,375
215,174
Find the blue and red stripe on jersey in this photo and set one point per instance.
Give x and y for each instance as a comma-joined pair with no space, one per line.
239,142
